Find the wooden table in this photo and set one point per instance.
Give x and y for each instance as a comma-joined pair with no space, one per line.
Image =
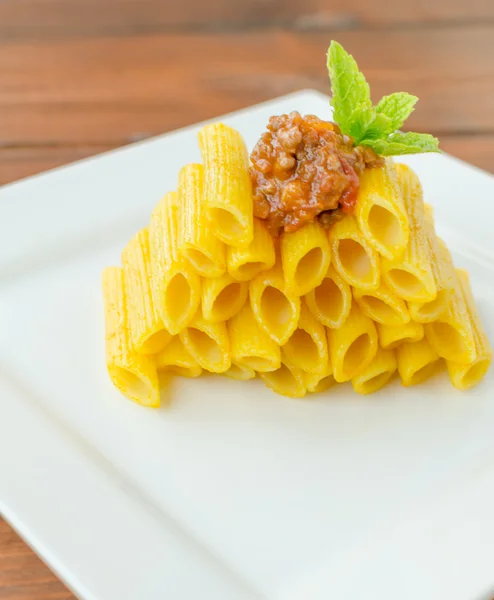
78,77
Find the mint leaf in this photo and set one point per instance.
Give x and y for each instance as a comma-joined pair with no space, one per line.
403,143
380,127
350,88
360,120
397,107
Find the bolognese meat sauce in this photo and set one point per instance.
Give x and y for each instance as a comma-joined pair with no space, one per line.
305,169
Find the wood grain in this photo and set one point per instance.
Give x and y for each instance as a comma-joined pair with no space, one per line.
108,90
46,18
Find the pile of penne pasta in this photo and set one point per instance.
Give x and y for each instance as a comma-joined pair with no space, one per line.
205,287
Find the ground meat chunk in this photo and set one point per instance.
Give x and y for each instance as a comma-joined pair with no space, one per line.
303,167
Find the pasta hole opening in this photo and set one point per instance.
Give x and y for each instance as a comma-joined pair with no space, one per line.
248,271
431,310
283,380
131,384
178,298
239,372
357,354
276,310
329,300
302,346
380,310
354,259
204,346
258,363
324,384
405,283
226,223
156,342
475,373
424,373
201,263
228,300
377,382
184,371
309,269
446,340
385,227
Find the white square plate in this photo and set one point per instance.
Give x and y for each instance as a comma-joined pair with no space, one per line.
232,493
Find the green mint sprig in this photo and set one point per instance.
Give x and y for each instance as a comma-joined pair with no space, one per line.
368,125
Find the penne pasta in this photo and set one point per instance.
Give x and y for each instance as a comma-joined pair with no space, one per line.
147,330
176,286
417,362
376,375
197,242
320,382
227,187
275,309
307,347
305,256
466,376
133,374
240,372
287,381
330,302
410,277
353,346
451,335
222,297
251,346
353,257
382,305
392,336
443,272
380,213
245,263
208,343
175,358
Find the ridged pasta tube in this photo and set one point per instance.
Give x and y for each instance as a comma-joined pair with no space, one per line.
176,286
287,381
133,374
305,256
197,242
227,186
175,358
392,336
376,375
417,362
382,305
222,297
240,372
307,347
276,310
147,330
319,382
466,376
208,343
353,346
410,277
251,346
330,302
245,263
380,213
352,256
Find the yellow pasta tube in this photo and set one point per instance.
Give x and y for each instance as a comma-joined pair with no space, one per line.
305,256
245,263
392,336
251,346
353,346
410,277
222,297
175,358
376,375
382,305
208,343
417,362
287,381
317,383
176,286
451,335
197,243
240,372
276,310
133,374
352,255
227,186
380,213
147,331
443,272
466,376
307,347
330,302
